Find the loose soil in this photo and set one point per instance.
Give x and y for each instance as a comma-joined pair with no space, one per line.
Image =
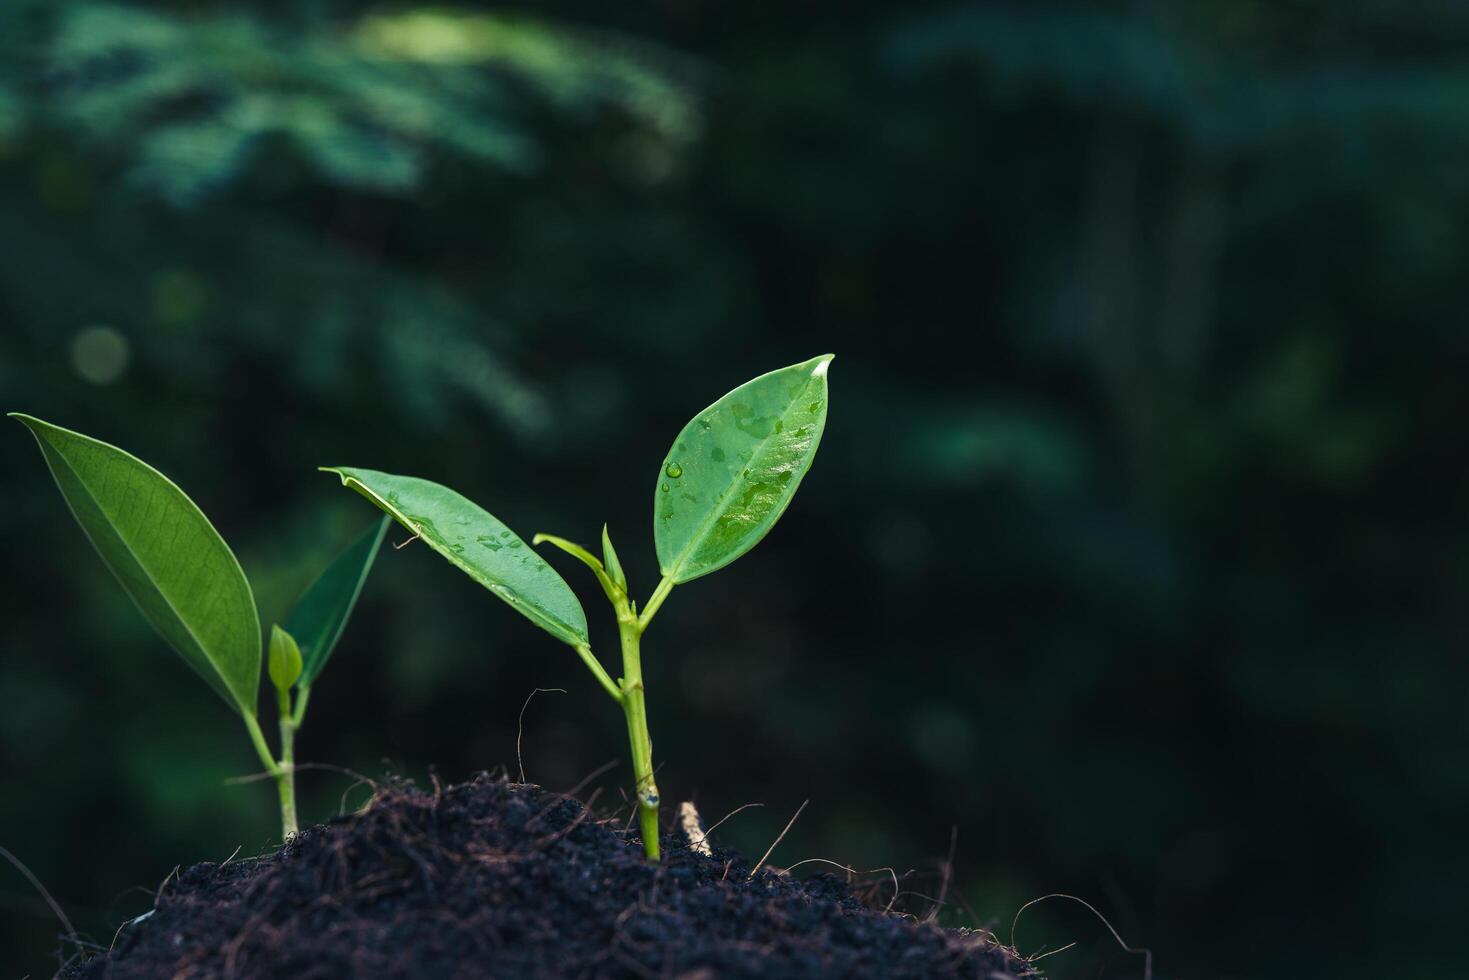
505,880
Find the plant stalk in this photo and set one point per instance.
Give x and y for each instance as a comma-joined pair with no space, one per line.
283,772
630,630
285,780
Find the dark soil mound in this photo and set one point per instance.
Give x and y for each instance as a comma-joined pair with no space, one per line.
496,879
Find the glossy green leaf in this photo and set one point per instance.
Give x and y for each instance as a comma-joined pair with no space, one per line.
166,554
614,566
479,545
323,610
283,663
733,469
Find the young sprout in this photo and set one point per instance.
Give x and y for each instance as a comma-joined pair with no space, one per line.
188,584
729,476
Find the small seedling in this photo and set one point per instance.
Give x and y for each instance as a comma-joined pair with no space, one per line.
189,585
729,476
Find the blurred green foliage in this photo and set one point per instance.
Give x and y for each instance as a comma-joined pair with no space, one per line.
1137,549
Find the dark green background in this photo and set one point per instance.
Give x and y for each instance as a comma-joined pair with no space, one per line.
1136,549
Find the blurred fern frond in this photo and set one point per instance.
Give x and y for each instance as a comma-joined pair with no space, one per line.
188,102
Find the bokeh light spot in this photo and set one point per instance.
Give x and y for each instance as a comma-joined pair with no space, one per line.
100,354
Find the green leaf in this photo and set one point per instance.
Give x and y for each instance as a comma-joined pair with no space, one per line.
166,554
586,558
609,555
284,662
322,612
475,541
733,469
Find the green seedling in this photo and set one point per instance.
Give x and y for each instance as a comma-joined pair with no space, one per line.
729,476
189,585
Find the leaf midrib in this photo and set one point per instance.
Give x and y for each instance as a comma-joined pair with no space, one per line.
718,509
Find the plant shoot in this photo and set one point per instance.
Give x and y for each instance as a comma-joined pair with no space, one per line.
188,584
725,481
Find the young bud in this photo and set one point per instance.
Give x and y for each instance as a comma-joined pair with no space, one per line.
609,556
285,659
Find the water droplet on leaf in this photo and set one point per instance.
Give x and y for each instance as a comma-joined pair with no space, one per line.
674,471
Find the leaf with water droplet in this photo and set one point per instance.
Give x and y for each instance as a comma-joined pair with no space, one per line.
740,461
427,509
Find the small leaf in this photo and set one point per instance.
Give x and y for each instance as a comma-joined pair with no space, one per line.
168,557
734,468
609,555
322,612
479,545
586,558
284,662
571,548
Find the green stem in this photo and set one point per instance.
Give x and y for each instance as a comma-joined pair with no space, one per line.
285,780
630,630
283,772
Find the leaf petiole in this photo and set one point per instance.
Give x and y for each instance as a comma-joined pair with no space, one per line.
600,672
665,586
262,749
303,694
